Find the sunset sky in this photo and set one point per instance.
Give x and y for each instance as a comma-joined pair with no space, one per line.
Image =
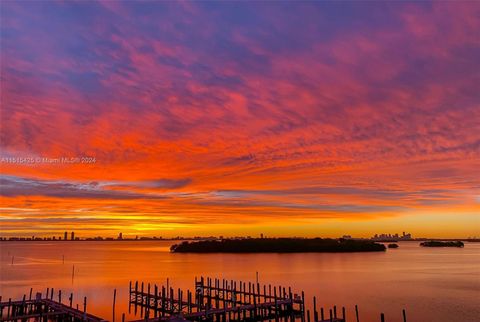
240,118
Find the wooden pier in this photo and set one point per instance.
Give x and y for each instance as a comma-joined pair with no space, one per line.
221,301
211,300
44,309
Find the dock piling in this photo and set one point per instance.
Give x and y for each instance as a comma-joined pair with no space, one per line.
113,306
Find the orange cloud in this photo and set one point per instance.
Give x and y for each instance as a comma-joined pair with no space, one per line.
199,118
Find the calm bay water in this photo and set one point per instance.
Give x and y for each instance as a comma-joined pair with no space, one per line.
433,284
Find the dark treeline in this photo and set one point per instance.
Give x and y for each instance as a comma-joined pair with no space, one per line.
442,244
278,245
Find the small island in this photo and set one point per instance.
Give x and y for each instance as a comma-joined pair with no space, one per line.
278,245
433,243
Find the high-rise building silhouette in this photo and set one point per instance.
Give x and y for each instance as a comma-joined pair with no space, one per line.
65,235
73,236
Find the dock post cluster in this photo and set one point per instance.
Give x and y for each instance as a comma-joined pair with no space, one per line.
212,300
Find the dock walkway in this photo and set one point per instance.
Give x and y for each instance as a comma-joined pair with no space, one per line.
43,309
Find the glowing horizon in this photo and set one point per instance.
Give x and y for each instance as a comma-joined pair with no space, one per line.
288,119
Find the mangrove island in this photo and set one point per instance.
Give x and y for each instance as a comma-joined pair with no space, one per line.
433,243
278,245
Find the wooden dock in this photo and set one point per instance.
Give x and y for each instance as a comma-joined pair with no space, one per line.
223,300
43,309
211,300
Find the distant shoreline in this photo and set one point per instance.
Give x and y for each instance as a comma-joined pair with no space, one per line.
206,239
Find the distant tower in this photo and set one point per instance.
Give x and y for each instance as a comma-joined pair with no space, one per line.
261,236
72,236
120,236
65,236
